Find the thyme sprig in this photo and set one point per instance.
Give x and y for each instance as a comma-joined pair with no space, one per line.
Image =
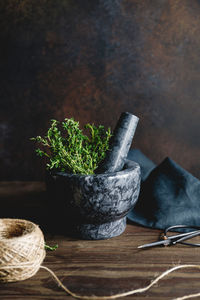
67,149
50,248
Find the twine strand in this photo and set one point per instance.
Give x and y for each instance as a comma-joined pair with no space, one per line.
188,296
128,293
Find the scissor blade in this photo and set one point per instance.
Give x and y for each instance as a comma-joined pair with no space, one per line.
163,242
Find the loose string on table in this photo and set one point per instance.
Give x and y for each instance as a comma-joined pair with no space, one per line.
115,296
128,293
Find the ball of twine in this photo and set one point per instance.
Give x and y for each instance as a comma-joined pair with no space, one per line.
22,249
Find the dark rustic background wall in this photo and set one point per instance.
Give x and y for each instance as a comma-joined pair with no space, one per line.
93,59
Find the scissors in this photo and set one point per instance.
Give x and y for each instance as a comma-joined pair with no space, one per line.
167,240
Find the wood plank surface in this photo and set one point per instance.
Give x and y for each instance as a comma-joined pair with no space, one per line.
102,267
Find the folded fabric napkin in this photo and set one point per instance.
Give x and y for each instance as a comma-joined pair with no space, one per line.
169,194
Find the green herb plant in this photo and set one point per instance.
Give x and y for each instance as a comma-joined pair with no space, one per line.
50,248
67,149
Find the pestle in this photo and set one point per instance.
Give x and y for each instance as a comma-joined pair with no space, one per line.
120,144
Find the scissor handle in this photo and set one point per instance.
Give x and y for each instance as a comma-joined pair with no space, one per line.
171,228
179,238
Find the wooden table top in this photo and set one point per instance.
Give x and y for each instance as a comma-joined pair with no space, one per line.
103,267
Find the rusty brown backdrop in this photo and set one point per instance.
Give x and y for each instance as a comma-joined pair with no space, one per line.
93,59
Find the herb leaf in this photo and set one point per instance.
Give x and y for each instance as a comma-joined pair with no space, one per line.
67,149
51,248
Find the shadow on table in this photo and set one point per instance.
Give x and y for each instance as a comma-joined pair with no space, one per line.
30,201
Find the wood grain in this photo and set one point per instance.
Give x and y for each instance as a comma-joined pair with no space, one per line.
101,267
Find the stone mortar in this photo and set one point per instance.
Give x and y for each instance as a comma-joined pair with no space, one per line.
96,205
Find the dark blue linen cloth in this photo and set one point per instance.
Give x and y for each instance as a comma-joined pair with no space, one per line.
146,165
169,194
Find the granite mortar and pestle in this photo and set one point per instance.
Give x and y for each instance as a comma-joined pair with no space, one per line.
95,206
